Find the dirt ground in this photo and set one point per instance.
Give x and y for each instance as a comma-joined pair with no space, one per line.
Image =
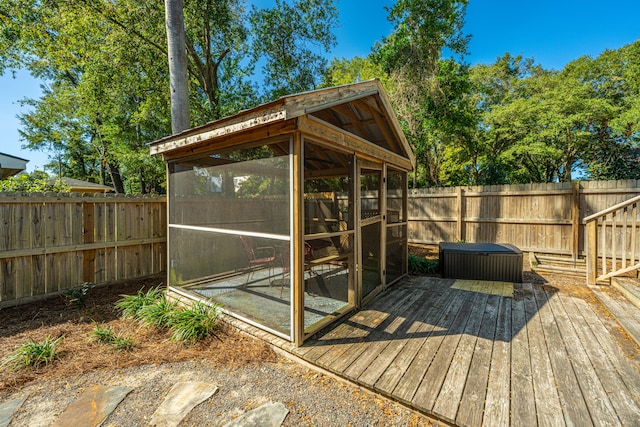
247,370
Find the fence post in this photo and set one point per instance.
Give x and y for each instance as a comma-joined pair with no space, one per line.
592,252
575,221
88,233
460,222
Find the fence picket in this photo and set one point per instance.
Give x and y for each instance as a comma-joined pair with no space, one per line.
48,242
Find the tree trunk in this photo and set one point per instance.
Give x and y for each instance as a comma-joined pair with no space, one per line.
177,66
116,179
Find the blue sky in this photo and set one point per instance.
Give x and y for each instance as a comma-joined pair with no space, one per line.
554,32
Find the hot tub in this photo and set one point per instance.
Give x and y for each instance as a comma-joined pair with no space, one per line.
481,261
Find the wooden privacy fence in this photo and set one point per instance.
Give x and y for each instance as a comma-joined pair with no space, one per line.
544,218
53,242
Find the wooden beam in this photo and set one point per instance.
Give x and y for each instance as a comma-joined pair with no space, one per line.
351,142
219,129
79,247
307,103
240,140
575,220
297,274
592,252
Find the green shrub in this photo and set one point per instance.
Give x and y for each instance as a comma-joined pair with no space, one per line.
194,323
421,265
105,335
76,296
33,354
131,305
160,313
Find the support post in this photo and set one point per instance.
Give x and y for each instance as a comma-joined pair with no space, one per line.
575,221
88,233
592,252
297,274
460,219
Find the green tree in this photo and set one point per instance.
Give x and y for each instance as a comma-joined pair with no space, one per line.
412,56
107,91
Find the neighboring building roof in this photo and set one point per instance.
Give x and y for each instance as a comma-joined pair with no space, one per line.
79,186
11,165
360,110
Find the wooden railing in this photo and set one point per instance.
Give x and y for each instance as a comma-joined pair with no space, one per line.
611,241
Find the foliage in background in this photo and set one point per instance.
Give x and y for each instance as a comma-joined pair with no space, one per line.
421,265
76,296
34,182
33,354
106,92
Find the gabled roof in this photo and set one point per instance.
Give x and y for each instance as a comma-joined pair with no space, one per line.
11,165
361,110
78,186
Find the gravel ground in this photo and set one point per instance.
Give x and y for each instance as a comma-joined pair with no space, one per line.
312,398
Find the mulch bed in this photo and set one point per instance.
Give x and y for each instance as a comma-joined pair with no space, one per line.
78,353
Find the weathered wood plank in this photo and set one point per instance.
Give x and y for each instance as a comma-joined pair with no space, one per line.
623,311
414,316
475,387
398,326
410,381
380,331
523,408
496,411
426,325
434,377
546,395
336,342
382,323
448,400
599,406
626,407
569,390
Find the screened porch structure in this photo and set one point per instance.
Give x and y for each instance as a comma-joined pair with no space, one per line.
291,214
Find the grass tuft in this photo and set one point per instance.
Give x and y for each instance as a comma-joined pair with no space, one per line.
160,313
105,335
194,323
131,305
33,354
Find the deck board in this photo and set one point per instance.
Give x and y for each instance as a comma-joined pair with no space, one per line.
470,356
448,400
475,388
572,394
412,377
497,404
621,399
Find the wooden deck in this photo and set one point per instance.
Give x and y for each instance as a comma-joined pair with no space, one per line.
470,354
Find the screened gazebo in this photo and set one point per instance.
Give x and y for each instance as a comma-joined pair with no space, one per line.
293,213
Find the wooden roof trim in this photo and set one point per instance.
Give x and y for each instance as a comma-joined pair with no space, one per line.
395,124
177,142
310,102
322,129
248,137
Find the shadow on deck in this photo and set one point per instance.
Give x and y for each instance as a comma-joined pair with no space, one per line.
484,353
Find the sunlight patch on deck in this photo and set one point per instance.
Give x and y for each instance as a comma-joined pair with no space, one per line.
504,289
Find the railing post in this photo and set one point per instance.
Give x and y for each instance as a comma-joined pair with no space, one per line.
592,252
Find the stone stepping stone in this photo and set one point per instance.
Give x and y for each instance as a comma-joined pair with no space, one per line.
92,407
182,398
268,415
8,408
